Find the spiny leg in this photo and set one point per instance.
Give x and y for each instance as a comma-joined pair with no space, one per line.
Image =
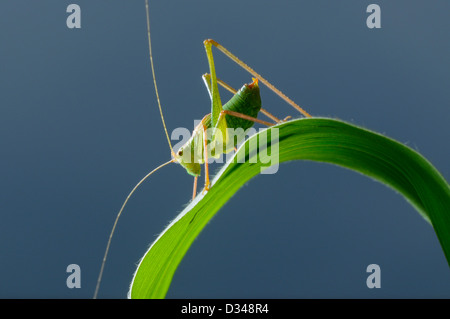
216,109
253,72
245,117
207,79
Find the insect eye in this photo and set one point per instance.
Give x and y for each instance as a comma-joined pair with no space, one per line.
180,153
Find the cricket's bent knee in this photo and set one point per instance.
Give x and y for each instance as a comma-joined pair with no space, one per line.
209,42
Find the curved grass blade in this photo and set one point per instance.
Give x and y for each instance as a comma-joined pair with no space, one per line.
316,139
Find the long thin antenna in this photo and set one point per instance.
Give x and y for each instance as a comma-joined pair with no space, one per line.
154,78
256,75
115,224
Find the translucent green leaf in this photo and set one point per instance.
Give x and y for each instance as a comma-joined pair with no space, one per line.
316,139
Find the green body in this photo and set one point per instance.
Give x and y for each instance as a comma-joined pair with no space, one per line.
246,101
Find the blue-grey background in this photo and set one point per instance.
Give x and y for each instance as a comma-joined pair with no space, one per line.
79,126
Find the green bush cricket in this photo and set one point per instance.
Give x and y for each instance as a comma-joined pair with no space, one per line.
240,112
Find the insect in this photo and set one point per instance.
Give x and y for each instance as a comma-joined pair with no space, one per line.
240,111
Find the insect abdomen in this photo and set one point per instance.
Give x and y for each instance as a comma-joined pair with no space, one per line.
246,101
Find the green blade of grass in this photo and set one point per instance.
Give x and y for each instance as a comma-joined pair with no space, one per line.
316,139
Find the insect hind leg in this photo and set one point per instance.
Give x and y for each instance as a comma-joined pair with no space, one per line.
257,75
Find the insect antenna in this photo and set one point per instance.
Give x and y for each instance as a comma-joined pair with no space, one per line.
154,77
117,219
148,175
